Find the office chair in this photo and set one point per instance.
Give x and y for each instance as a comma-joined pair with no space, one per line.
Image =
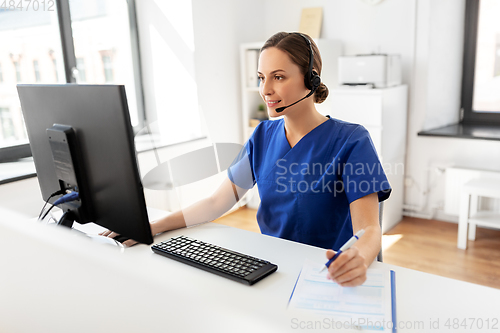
380,212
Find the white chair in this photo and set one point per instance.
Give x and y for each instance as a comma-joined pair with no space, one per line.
469,214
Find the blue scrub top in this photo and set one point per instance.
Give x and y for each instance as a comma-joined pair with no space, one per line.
306,190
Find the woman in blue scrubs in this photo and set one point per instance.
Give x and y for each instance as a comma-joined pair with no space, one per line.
319,178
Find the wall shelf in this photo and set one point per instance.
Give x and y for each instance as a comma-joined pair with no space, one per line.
465,131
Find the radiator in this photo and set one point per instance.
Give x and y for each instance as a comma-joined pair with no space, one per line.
455,179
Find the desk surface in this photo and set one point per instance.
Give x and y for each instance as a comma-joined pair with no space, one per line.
13,171
62,281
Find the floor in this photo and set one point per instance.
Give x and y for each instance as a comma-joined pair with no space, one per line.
424,245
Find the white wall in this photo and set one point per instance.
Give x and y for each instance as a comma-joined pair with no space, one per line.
220,26
387,27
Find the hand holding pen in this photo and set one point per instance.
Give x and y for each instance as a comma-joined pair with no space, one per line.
344,273
344,247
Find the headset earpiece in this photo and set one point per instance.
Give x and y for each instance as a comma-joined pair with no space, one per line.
311,79
315,81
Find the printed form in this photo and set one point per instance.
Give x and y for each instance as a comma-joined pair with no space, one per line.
367,307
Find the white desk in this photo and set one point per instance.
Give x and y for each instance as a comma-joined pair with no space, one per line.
54,280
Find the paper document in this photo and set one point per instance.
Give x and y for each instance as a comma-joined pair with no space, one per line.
366,307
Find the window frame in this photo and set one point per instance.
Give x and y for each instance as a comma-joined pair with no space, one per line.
8,154
469,62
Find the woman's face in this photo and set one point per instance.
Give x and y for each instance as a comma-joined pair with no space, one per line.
281,82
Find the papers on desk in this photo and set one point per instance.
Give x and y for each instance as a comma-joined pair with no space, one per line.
369,307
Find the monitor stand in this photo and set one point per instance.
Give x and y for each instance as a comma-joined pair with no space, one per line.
67,219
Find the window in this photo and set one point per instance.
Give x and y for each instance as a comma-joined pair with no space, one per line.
496,72
108,68
96,42
27,36
56,72
80,65
481,71
170,53
98,36
6,125
46,43
17,67
36,68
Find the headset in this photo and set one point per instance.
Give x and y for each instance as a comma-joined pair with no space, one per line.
311,78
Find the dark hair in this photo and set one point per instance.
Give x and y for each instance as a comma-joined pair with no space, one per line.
297,49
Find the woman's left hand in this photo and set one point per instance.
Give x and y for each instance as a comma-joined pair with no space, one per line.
349,269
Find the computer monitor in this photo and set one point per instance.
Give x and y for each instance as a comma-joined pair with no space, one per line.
82,139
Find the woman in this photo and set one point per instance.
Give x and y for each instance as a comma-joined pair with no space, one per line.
319,178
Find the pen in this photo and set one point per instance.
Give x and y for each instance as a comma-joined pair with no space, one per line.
344,247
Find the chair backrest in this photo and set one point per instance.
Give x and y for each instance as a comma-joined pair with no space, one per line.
380,214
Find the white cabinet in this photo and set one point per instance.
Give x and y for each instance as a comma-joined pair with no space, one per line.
383,113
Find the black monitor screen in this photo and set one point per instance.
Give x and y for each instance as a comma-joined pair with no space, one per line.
111,189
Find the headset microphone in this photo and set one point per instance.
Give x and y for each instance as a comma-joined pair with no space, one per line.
281,109
311,78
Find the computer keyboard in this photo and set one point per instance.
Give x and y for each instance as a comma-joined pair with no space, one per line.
211,258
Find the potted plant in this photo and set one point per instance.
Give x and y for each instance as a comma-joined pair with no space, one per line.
261,112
